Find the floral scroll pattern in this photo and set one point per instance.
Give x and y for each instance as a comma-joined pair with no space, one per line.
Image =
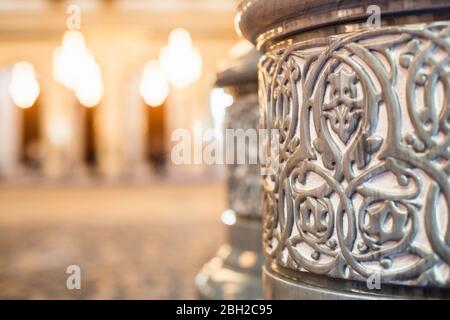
363,184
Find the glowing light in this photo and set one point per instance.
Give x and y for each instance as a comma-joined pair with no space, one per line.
68,57
179,60
76,69
247,259
228,217
240,49
24,88
59,131
219,101
154,87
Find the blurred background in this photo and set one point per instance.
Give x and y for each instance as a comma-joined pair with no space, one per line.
90,92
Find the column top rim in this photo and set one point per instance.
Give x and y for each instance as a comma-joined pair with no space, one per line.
262,20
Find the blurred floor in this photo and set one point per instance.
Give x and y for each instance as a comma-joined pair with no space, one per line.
130,242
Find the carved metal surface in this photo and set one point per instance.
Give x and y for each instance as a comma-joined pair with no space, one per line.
244,180
363,183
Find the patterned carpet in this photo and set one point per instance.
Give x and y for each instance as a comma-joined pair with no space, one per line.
130,243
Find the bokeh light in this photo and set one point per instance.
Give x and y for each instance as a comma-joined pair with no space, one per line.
179,60
24,88
154,87
76,69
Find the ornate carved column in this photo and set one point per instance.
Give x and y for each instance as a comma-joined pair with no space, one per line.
359,206
235,272
10,133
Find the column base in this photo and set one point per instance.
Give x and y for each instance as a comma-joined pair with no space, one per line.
235,271
314,287
280,288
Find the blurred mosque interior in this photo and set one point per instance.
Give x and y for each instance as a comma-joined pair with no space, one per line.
119,180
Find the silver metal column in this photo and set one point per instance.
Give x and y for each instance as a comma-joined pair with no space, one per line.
359,206
235,272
